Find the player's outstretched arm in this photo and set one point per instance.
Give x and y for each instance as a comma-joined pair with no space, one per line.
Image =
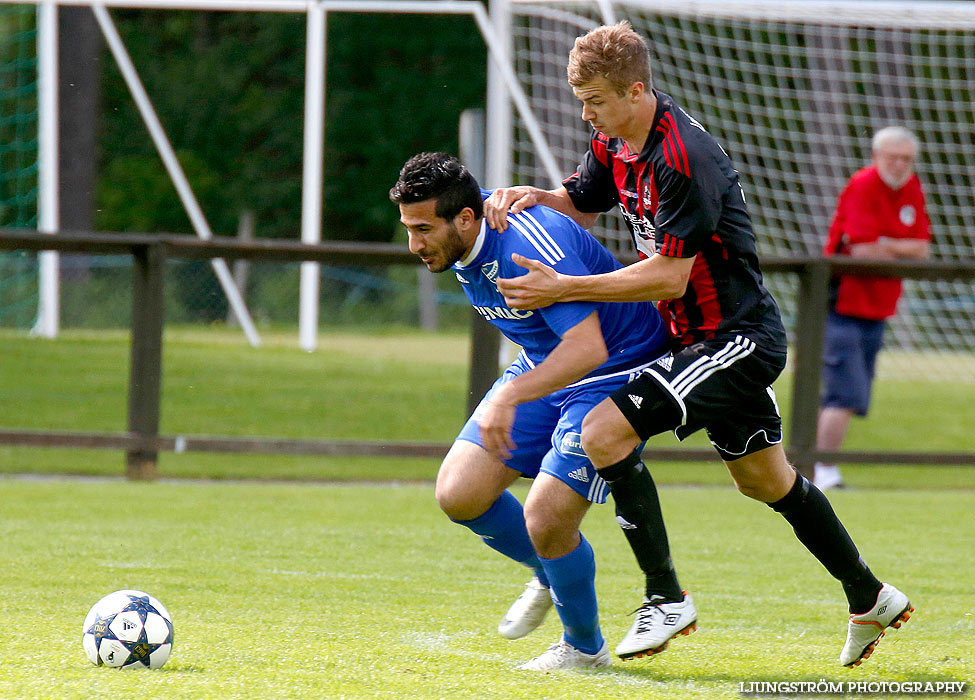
658,277
514,200
581,350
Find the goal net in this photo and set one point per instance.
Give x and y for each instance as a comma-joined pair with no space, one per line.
793,90
18,159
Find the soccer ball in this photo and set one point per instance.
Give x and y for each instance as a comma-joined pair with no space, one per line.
128,629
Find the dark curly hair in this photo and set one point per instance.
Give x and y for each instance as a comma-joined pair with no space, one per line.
442,177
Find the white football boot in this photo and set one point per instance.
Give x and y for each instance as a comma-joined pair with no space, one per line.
656,624
526,613
563,655
865,630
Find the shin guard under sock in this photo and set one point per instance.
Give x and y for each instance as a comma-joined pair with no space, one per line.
502,528
573,580
817,527
638,514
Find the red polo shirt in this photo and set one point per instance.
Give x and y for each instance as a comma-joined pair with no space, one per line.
867,210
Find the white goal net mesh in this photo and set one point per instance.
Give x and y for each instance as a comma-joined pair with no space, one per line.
793,91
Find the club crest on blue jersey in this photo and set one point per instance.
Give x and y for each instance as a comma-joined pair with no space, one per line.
490,271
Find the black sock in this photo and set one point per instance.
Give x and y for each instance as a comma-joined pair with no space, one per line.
817,527
638,513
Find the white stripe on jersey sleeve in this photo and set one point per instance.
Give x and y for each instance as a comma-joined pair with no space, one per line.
544,234
550,256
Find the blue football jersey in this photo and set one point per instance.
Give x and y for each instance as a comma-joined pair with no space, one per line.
633,331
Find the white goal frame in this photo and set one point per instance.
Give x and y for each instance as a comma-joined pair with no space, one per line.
504,89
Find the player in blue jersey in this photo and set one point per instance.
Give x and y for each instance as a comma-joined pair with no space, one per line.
530,422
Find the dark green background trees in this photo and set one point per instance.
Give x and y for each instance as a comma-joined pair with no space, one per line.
229,89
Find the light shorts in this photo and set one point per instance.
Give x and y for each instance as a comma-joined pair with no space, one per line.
547,432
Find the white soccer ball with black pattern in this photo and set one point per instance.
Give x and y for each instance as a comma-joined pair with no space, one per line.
128,629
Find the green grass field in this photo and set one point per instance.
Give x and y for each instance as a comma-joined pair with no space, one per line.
333,590
399,385
367,591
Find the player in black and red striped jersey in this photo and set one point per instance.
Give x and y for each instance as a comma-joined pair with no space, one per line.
684,205
701,217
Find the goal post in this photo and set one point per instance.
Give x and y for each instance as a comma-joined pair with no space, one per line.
794,90
506,91
48,207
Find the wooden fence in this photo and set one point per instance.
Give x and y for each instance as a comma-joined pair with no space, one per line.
142,441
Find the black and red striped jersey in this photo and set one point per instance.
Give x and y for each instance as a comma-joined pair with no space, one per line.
681,197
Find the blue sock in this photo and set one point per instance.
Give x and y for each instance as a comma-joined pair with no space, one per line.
502,528
573,579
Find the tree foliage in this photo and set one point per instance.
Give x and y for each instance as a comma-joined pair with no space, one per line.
229,90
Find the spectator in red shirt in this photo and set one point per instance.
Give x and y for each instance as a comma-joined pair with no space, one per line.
880,215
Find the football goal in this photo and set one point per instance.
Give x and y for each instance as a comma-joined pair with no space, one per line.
41,75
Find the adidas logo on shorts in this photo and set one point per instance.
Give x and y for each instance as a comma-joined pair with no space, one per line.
579,475
637,400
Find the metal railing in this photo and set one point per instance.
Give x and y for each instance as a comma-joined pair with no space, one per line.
142,441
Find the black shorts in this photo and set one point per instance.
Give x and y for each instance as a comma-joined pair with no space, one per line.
723,385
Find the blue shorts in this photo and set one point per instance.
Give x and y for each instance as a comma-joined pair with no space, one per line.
849,361
547,432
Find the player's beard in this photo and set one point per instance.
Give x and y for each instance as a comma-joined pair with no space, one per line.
453,250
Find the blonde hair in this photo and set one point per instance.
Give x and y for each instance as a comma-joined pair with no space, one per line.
614,52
